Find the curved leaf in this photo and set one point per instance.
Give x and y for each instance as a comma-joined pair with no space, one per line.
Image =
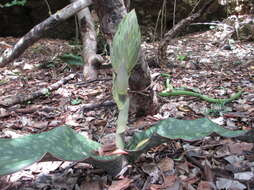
62,143
165,130
126,43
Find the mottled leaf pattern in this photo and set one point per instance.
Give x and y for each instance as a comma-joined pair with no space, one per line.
125,50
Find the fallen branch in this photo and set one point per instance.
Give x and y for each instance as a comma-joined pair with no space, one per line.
178,28
88,107
37,32
92,81
88,35
20,98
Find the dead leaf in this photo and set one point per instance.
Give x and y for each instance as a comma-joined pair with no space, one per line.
205,185
183,167
240,148
223,183
152,170
94,185
72,121
166,164
40,125
121,184
247,176
208,171
4,113
169,181
109,150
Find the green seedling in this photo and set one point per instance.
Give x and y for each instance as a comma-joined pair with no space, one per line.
181,57
76,101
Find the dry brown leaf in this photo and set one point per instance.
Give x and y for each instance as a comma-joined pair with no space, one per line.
169,181
205,185
94,185
121,184
166,164
240,148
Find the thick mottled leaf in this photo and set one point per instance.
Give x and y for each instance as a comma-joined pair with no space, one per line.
62,143
122,81
165,130
122,119
126,43
125,50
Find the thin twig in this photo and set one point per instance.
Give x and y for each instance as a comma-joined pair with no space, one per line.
21,98
91,81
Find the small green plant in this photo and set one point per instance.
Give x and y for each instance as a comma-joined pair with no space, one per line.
181,57
217,110
76,101
2,82
29,102
46,92
72,60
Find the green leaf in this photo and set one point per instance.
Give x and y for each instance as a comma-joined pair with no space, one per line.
126,43
181,57
122,80
176,129
62,143
123,117
125,51
76,101
72,59
15,3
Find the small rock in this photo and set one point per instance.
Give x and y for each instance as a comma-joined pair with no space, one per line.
204,60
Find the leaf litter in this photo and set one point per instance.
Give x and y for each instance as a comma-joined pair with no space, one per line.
194,61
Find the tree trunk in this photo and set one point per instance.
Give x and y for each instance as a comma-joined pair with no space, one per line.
88,37
110,13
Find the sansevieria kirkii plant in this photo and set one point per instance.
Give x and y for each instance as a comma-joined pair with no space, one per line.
125,52
63,143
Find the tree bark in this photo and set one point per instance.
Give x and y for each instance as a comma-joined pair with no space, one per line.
110,13
88,37
39,30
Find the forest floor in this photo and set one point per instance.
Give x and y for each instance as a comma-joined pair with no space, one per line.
194,61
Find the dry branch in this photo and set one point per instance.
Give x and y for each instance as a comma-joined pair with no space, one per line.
21,98
88,35
178,28
37,32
